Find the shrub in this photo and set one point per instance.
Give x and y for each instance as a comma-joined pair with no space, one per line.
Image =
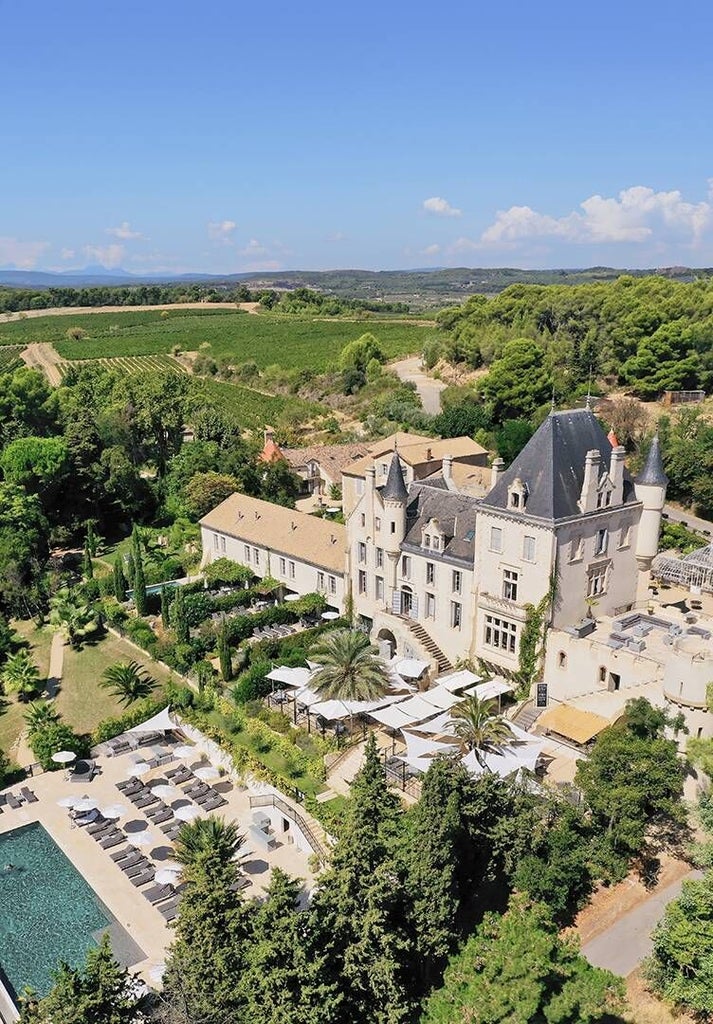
224,572
76,333
197,608
140,712
53,738
252,683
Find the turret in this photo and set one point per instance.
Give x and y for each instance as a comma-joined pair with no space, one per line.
394,496
650,487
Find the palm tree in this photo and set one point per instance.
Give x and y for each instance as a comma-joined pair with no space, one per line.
128,681
72,616
350,667
39,714
478,728
213,835
20,675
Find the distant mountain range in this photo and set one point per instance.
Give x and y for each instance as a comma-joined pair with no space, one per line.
420,288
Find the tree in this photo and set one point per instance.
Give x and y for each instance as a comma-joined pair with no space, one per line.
71,615
40,714
512,438
224,571
207,838
101,993
206,490
515,968
138,581
350,667
119,583
479,728
52,738
160,404
518,382
464,419
128,681
179,617
38,464
224,654
357,354
20,675
165,608
24,549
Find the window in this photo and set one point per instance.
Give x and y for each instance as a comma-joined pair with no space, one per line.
256,556
604,499
597,583
360,485
393,527
362,582
332,584
510,578
528,549
601,542
436,543
363,519
379,588
320,581
283,567
514,499
456,614
379,558
384,469
406,567
430,572
361,551
500,633
377,523
561,660
496,538
215,541
247,553
625,536
426,540
457,581
576,549
430,606
292,570
222,544
602,673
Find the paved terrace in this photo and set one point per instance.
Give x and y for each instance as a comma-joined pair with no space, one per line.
143,922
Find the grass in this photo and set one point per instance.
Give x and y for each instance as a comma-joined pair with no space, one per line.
291,342
252,409
11,711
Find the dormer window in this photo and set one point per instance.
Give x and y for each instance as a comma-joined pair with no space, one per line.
426,540
517,494
436,543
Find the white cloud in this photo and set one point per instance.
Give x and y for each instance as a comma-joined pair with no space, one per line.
253,248
22,255
221,231
124,232
636,215
441,207
67,254
431,250
107,255
463,245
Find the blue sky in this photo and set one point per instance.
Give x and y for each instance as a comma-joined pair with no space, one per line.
228,136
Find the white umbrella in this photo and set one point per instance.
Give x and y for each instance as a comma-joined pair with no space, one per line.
64,757
330,616
138,769
114,811
293,597
187,813
167,876
141,838
167,792
68,801
206,774
184,750
87,803
157,972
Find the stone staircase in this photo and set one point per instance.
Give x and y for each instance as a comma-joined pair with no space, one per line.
430,645
342,771
527,715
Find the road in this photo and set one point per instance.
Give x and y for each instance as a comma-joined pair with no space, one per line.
42,356
622,947
31,314
429,389
677,515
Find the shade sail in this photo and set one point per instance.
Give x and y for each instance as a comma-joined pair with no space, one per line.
334,710
572,723
392,717
457,680
410,668
289,676
441,698
435,726
159,723
493,688
417,746
418,708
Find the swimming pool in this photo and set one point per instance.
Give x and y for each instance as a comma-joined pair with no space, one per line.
48,912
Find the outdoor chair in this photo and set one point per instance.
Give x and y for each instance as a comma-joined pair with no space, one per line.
173,772
166,828
164,815
99,826
130,862
144,878
172,831
159,892
214,803
137,867
115,747
145,801
120,855
166,757
129,786
139,794
169,909
29,795
113,839
13,801
203,798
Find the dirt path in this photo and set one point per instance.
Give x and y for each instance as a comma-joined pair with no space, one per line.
41,355
31,314
429,389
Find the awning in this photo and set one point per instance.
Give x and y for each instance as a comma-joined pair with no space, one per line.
159,723
435,726
419,747
457,680
493,688
335,710
572,723
392,717
289,676
441,698
409,668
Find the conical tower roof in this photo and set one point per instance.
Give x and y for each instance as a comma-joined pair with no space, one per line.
395,488
653,474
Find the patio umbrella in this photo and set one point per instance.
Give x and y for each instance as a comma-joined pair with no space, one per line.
184,750
141,838
188,813
166,792
114,811
68,801
157,972
293,597
87,803
330,616
167,876
64,757
138,769
207,773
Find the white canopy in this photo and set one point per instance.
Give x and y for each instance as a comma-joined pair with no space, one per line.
334,710
307,697
435,726
417,746
441,698
493,688
418,708
458,680
289,676
410,668
392,717
159,723
522,752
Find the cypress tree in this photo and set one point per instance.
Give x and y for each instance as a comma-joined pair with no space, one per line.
87,564
119,581
179,617
92,539
224,653
139,580
165,607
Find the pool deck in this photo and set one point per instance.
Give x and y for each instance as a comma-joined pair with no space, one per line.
142,921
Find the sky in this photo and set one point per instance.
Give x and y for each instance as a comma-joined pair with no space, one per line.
225,137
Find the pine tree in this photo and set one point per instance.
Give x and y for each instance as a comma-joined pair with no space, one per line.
179,617
139,579
165,607
119,581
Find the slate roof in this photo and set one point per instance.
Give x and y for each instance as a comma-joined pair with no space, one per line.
395,488
552,466
653,472
455,514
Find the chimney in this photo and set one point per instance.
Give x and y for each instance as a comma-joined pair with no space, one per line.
370,485
496,471
616,473
269,434
429,455
447,472
588,497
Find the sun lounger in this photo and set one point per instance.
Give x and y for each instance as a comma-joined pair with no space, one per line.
166,757
144,878
171,831
130,862
178,770
99,826
113,839
121,855
158,892
14,802
115,747
145,801
143,865
164,815
214,803
137,794
28,795
169,909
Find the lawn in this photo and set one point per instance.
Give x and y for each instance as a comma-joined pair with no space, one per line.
267,339
11,712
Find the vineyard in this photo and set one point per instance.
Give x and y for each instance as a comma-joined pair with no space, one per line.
128,365
10,358
252,409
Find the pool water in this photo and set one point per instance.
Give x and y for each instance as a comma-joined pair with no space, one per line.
48,912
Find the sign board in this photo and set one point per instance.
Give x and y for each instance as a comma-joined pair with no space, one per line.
541,700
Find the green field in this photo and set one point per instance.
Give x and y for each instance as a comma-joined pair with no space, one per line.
251,409
131,365
10,358
267,339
